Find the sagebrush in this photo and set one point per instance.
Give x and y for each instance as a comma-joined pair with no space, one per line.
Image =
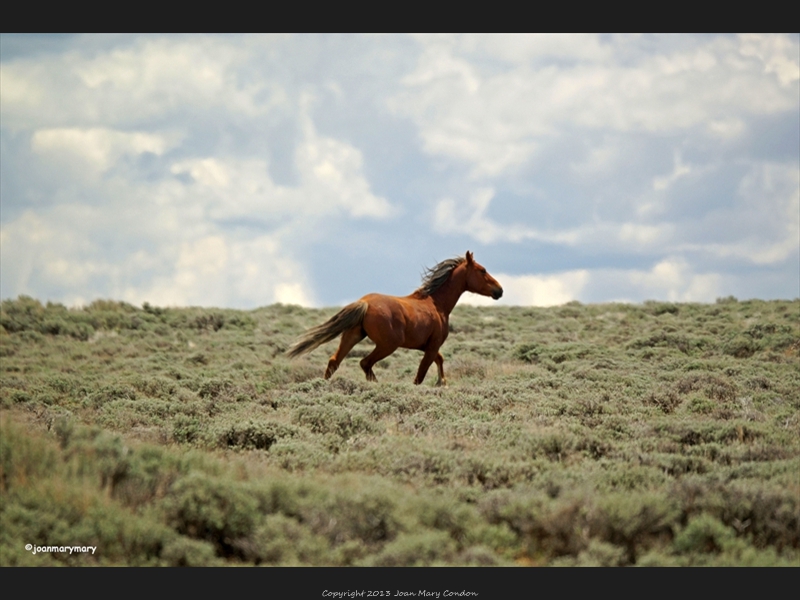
613,434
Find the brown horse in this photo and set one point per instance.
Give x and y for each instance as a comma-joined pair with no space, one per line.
418,321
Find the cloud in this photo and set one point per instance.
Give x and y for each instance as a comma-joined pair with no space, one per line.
671,279
58,252
727,129
223,236
662,183
97,148
470,218
524,49
241,170
41,255
535,290
333,175
760,225
153,212
500,115
216,270
145,79
777,53
331,181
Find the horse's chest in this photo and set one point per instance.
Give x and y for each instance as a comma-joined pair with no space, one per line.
445,329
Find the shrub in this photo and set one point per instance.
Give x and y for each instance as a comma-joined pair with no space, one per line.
740,346
368,517
554,443
211,509
633,521
282,540
186,552
250,434
527,352
330,419
703,534
416,550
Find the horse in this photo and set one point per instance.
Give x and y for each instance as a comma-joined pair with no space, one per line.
419,321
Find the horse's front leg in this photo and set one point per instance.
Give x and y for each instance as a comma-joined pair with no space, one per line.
440,365
430,355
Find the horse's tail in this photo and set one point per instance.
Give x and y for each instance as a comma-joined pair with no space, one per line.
347,318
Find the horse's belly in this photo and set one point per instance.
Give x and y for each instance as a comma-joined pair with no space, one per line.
398,321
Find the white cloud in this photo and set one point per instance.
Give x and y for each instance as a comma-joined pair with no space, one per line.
778,54
18,89
222,271
672,279
331,181
332,173
60,251
177,255
41,253
680,169
144,79
762,225
726,129
598,159
166,243
497,118
522,48
470,218
208,172
292,293
535,290
198,169
439,64
166,239
98,148
637,235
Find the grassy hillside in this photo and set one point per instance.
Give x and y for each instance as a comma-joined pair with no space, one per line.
655,434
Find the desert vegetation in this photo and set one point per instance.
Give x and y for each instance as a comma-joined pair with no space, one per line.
611,434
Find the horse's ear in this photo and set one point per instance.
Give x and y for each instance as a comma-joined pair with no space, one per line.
469,257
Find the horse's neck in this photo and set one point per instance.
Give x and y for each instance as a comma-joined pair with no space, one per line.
447,296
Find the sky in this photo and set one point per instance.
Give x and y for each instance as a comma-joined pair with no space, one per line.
239,171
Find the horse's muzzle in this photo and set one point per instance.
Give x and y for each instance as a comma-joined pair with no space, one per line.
497,294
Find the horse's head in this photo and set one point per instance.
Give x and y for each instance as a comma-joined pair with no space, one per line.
479,281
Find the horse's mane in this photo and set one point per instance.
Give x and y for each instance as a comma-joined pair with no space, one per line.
434,278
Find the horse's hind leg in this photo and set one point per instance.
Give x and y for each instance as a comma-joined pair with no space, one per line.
380,352
349,339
